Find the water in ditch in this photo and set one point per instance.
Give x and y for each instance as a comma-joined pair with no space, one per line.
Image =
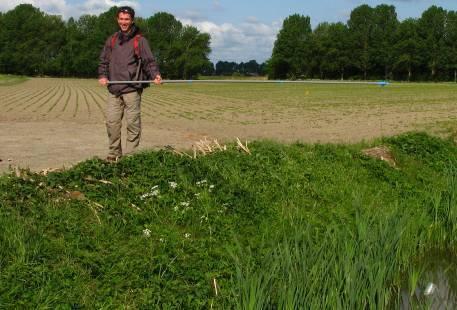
436,286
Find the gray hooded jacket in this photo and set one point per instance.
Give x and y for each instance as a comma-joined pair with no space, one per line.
120,63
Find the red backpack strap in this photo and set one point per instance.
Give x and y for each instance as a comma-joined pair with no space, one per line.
136,45
113,40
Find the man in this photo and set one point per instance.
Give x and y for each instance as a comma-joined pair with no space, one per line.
126,56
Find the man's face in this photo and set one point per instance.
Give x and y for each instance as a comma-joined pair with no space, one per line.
124,21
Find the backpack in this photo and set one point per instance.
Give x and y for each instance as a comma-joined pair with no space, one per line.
136,47
136,44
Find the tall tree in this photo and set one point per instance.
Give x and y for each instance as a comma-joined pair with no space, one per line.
339,54
330,50
432,30
2,39
71,50
385,24
291,51
31,41
163,31
95,30
194,51
82,54
361,26
407,49
208,69
451,43
320,47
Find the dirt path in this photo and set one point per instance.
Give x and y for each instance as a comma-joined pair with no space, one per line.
50,123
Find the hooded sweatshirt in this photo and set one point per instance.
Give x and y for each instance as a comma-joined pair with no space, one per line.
120,63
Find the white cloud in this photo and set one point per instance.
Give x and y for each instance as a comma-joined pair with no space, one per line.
50,6
97,6
61,7
9,4
249,40
193,15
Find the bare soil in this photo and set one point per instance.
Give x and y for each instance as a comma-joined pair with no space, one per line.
53,123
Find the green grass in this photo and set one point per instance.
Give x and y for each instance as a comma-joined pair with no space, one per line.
289,227
8,80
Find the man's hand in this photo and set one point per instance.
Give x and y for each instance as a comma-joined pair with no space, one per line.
157,80
103,81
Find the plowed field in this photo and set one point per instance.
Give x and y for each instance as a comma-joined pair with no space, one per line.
54,122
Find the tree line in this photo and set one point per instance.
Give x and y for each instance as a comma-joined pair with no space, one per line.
230,68
373,44
35,43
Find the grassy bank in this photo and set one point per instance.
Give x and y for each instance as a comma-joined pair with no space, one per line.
318,225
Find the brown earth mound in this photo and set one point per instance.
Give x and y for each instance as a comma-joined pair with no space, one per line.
382,153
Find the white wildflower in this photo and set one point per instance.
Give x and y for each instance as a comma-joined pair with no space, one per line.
142,197
203,218
153,193
201,183
211,186
162,240
187,235
146,233
185,203
135,207
176,208
173,184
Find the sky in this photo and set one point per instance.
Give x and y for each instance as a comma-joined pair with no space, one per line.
241,30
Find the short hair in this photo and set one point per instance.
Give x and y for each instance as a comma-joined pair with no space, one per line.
126,9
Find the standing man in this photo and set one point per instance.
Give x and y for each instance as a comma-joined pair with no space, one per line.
126,56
